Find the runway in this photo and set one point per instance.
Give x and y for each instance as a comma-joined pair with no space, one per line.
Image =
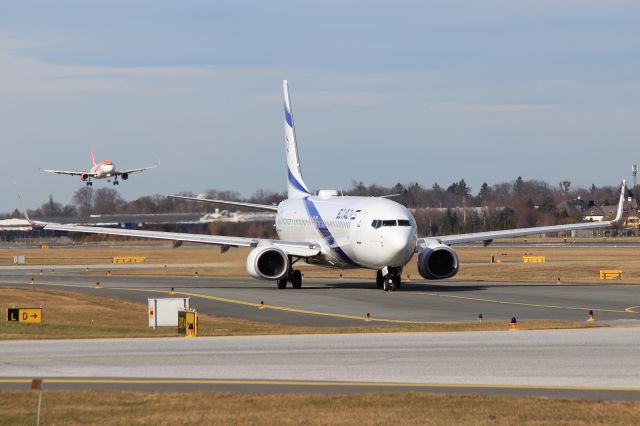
591,363
346,302
586,363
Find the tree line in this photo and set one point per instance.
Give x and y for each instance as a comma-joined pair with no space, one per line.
438,209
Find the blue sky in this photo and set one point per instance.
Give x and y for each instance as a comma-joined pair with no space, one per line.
382,92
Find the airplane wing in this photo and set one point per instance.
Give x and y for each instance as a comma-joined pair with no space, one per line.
129,171
293,248
488,237
265,207
70,172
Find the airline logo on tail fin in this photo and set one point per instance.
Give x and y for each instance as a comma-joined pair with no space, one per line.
296,187
93,156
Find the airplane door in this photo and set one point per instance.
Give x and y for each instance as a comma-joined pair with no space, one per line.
359,231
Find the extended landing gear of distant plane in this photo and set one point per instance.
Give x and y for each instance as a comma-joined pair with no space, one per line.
89,183
390,281
294,276
115,181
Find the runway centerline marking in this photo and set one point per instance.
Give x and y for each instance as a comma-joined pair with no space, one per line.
317,383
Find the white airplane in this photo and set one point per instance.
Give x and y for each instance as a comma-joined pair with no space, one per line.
103,170
338,231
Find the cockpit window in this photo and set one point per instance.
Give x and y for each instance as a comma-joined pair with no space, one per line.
400,222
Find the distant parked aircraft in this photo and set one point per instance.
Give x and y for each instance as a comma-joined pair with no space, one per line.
103,170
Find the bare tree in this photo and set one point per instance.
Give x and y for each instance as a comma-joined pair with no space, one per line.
83,200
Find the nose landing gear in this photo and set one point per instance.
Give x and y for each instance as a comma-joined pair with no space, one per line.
390,281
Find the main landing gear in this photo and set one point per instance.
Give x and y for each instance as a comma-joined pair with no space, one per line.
294,276
390,281
89,183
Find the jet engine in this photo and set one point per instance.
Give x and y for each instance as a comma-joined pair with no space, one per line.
438,261
267,263
124,176
84,177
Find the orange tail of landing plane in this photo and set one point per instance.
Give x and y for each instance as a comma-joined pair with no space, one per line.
93,156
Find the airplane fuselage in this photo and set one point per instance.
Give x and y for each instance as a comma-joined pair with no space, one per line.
105,169
353,232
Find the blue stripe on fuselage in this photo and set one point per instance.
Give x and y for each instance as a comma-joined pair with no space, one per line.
324,231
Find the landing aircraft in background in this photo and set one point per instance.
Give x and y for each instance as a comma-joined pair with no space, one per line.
338,231
103,170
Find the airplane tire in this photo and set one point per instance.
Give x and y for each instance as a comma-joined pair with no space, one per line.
282,283
296,279
379,279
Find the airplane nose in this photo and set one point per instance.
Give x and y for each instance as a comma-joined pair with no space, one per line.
398,247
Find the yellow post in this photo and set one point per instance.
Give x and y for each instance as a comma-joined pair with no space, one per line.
98,285
172,291
558,280
367,318
590,317
261,305
188,323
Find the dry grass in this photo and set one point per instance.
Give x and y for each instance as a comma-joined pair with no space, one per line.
126,408
80,315
571,264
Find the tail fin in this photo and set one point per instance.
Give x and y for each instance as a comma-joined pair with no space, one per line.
296,187
93,156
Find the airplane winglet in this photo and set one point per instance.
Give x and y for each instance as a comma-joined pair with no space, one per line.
620,203
21,204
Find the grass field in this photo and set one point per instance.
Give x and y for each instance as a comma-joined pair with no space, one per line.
127,408
570,264
80,315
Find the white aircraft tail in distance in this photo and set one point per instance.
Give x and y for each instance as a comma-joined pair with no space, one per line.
103,170
338,231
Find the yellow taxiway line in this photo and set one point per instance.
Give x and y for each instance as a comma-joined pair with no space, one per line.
252,304
312,383
629,310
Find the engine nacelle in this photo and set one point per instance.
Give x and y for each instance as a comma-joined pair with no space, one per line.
437,262
84,177
267,263
124,176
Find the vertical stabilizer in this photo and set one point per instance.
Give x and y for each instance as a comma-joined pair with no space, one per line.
93,156
296,187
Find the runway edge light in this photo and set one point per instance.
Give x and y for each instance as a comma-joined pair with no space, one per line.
590,317
514,324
